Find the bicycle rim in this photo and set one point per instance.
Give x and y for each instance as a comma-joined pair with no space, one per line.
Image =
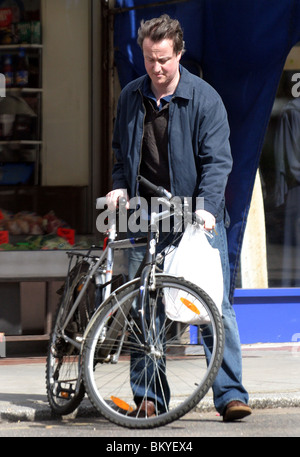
171,370
65,389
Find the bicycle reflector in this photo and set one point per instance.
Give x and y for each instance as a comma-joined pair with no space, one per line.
65,394
190,305
80,286
121,404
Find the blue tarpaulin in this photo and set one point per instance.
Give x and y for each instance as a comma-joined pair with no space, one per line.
241,48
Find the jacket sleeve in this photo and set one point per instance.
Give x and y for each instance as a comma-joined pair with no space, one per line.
214,156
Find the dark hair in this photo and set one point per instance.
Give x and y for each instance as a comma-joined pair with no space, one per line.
162,28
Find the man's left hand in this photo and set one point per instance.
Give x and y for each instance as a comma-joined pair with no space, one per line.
208,218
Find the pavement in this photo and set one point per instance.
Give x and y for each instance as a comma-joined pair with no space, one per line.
271,374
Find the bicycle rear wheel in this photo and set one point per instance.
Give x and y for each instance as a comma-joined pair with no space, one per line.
64,386
170,370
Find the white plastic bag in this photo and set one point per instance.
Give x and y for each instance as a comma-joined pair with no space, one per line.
198,262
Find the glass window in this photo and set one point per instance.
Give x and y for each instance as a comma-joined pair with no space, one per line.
45,124
280,176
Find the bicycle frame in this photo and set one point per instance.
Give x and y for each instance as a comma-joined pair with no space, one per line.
146,279
108,254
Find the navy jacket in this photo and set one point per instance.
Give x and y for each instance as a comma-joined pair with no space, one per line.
199,151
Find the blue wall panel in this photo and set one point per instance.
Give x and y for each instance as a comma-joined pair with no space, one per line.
268,315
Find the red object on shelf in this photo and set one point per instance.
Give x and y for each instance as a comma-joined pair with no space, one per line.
4,237
67,234
5,17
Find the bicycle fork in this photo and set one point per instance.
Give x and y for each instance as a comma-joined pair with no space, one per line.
146,303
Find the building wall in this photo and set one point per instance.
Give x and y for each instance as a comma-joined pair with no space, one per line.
66,101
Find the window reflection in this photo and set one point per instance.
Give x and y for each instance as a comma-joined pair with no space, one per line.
280,169
287,188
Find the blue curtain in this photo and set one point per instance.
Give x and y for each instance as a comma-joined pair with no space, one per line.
241,48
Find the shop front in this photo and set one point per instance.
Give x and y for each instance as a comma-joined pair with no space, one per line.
51,162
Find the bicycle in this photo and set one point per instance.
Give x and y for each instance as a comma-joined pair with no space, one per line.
131,349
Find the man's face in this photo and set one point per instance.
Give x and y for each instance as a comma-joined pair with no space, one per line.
161,63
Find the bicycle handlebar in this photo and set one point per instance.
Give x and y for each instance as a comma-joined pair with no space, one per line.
158,190
161,192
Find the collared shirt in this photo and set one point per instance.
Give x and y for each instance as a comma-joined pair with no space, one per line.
147,92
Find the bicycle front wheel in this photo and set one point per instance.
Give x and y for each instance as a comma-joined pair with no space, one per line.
64,386
173,370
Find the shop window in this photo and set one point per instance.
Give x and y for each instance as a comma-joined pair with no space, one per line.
280,174
45,133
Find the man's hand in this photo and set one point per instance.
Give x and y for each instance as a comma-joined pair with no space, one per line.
208,218
112,198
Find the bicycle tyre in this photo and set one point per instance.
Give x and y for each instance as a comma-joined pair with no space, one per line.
189,374
65,389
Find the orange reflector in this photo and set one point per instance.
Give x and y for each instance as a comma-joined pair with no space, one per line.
64,394
121,404
79,287
190,305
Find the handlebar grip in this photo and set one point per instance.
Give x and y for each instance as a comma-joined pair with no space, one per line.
122,202
158,190
197,219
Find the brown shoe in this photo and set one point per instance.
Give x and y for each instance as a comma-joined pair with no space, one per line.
144,409
236,410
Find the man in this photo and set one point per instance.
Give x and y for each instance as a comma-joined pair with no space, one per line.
171,127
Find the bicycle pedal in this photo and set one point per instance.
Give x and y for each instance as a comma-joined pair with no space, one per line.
65,392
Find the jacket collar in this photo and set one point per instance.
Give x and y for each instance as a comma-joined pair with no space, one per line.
184,88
